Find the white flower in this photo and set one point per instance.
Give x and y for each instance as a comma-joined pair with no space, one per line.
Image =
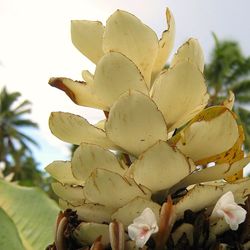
228,209
142,227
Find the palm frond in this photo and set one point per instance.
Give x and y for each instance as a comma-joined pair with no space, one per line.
244,116
29,139
24,123
23,104
7,99
241,87
241,70
226,63
243,98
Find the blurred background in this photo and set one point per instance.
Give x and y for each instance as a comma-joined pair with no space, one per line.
35,45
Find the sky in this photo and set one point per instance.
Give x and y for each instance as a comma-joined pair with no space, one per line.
35,45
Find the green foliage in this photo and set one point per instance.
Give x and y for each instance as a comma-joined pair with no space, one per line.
15,150
12,120
27,217
9,238
228,70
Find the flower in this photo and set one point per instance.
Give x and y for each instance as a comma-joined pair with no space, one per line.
129,56
228,209
143,227
144,104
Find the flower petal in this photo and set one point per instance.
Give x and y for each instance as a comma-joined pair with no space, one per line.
87,36
61,171
75,129
111,189
234,216
190,51
142,227
166,45
133,231
180,93
88,157
226,207
141,236
147,217
135,123
225,199
160,167
126,34
134,208
210,133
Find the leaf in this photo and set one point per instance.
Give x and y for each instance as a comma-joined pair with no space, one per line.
9,237
241,87
32,213
244,116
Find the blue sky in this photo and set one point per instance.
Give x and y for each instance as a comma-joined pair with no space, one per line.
35,45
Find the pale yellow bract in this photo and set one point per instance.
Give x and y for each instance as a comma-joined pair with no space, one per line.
158,138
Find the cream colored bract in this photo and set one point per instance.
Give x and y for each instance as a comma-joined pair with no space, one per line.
151,156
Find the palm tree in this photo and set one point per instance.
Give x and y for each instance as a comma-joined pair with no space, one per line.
14,143
228,70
